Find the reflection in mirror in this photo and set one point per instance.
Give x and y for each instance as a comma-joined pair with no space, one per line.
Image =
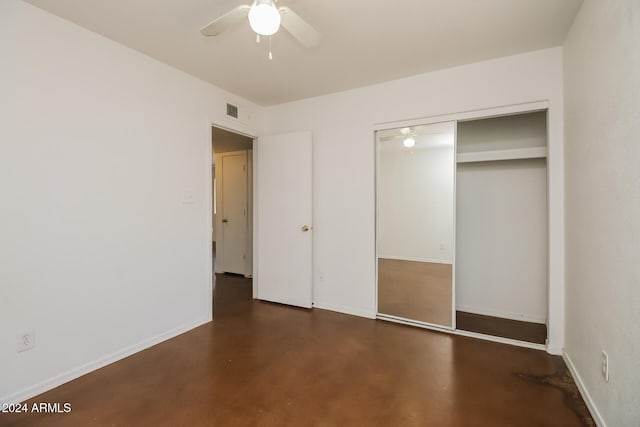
415,202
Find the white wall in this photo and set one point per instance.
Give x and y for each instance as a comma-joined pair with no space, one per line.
415,203
501,222
344,151
501,239
97,145
602,80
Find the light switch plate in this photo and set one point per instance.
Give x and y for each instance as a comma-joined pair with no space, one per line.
187,197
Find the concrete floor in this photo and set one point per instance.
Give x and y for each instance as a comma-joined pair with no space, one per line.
264,364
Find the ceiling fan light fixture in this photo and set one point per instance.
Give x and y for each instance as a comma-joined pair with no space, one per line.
409,142
264,17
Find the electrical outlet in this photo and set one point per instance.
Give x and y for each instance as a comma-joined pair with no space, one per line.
322,277
26,340
442,246
604,365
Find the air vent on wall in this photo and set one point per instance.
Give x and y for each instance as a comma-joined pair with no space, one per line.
232,110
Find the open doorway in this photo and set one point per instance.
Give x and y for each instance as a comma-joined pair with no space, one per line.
232,219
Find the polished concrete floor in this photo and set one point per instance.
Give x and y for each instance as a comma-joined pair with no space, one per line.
416,290
263,364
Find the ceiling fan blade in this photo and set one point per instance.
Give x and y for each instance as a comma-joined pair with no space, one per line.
299,28
388,138
225,21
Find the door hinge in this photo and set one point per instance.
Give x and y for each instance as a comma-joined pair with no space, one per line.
244,168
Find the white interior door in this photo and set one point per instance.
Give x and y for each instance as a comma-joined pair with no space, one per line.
234,212
283,218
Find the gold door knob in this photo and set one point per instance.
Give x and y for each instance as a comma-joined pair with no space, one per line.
305,228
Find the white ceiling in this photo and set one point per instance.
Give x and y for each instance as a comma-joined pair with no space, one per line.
364,41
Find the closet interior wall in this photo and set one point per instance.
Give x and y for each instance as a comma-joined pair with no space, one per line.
502,217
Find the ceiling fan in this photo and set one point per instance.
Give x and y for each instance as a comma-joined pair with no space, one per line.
265,18
408,136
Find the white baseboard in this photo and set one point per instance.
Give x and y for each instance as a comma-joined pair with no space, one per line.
345,310
501,340
583,391
72,374
556,351
502,314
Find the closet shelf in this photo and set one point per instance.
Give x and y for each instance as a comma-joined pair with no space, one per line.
510,154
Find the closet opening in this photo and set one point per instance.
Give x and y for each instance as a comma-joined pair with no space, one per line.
502,227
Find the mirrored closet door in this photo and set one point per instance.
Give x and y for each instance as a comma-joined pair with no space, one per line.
415,224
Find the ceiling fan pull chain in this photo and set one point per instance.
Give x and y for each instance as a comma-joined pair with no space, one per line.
257,38
270,55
